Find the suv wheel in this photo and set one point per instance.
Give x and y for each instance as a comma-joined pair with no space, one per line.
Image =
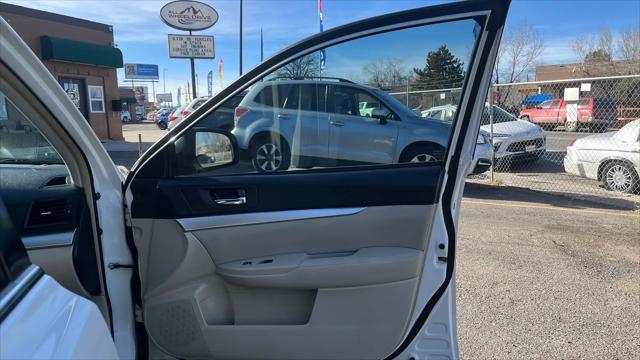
270,154
422,154
620,176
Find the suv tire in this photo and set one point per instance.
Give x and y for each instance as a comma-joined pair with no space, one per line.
270,154
422,154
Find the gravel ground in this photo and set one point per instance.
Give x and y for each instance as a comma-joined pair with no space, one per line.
547,279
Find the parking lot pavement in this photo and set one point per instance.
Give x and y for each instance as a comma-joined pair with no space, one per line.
546,277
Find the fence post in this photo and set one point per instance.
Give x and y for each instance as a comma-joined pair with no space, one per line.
407,92
493,155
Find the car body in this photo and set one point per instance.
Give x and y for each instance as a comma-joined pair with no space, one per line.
612,157
513,139
596,113
175,117
190,260
186,110
329,129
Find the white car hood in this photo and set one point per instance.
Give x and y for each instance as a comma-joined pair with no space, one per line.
516,128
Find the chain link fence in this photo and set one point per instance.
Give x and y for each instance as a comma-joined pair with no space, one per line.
577,137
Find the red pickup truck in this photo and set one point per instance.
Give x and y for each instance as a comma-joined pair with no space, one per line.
597,114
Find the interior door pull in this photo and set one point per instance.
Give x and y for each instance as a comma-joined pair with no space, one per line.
337,123
233,201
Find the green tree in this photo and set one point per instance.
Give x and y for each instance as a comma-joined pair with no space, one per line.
442,70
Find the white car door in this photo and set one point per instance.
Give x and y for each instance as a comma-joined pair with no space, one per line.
328,263
331,263
39,319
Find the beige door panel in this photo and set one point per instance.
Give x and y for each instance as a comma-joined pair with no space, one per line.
338,280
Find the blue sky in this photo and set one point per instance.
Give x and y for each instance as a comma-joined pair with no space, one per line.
142,36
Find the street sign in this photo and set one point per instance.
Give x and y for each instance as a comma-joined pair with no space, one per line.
188,15
191,46
168,97
141,71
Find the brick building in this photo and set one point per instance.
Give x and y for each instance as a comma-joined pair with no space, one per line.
81,55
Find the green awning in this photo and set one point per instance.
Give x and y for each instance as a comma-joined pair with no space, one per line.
129,100
54,48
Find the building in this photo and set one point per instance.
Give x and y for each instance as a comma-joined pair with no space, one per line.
578,71
82,56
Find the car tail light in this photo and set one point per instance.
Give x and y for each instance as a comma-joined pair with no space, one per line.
172,118
572,142
240,110
185,113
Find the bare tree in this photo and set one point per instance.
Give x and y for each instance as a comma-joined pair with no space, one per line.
629,44
306,66
519,52
594,48
385,73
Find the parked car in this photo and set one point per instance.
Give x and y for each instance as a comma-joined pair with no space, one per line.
175,117
275,114
125,116
612,158
597,114
513,139
188,109
192,254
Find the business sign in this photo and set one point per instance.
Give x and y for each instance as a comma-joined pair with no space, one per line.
188,15
191,46
168,97
141,92
141,71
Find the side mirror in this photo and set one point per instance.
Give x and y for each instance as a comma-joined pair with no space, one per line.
379,114
202,149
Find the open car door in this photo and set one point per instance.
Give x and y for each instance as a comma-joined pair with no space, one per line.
252,244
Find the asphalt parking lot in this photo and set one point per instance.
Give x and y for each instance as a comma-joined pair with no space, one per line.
539,275
546,277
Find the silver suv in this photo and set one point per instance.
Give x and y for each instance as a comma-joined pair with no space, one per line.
329,122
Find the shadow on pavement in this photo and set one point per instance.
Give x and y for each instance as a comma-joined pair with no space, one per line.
565,200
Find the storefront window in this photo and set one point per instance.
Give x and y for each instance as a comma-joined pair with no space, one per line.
96,98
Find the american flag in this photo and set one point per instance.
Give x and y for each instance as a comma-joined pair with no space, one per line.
323,54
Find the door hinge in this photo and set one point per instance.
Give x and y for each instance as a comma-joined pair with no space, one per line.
113,266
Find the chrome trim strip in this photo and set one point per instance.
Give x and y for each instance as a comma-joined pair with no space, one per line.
219,221
16,290
48,240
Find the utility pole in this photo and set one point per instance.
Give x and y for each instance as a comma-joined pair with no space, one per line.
261,45
240,37
193,74
164,81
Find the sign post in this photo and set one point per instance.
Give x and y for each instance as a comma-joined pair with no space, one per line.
190,16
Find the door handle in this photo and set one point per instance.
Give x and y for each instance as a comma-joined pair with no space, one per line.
232,201
283,116
337,123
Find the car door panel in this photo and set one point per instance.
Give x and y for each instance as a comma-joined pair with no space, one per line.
332,263
195,196
327,300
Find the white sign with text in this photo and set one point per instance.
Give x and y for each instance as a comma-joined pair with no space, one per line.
191,46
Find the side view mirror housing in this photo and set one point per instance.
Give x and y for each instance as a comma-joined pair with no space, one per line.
379,114
202,149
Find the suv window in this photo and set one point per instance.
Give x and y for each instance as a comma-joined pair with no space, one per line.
20,141
301,97
545,104
555,103
347,100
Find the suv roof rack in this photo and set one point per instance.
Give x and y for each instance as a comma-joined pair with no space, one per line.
313,77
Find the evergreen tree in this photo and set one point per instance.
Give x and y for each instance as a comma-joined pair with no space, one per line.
442,70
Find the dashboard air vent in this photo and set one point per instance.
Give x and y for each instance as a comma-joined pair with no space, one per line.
48,212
